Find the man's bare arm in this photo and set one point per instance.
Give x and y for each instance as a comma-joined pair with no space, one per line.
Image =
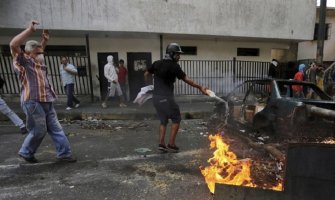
70,71
45,38
146,76
20,38
194,84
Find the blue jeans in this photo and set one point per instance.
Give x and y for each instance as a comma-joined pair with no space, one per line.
69,89
10,114
123,87
42,118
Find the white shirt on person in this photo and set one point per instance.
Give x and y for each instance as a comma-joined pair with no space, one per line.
67,78
110,72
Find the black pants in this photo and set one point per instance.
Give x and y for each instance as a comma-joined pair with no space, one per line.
166,108
69,89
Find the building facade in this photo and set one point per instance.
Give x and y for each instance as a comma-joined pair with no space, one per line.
138,31
307,49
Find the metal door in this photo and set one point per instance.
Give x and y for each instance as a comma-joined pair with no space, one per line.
137,64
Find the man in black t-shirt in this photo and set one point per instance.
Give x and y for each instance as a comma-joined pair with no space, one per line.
165,73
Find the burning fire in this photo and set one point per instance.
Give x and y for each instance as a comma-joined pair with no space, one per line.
329,141
225,168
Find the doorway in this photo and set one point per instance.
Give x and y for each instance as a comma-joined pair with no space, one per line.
102,61
282,56
137,65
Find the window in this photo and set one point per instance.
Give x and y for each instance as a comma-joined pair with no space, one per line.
189,50
59,50
247,51
54,50
327,31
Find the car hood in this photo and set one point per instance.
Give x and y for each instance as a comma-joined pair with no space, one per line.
318,103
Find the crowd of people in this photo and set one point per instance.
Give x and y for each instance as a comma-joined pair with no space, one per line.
115,73
116,76
37,95
315,73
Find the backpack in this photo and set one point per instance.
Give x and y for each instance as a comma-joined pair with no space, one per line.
2,82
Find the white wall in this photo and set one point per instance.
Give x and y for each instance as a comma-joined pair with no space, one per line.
207,49
225,50
307,50
272,19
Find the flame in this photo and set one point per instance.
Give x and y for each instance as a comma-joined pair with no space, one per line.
329,141
225,168
278,187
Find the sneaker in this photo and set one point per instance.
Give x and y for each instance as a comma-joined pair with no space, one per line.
77,105
173,148
162,148
68,108
104,105
23,130
29,160
66,160
122,105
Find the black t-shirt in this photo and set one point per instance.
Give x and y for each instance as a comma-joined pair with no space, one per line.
273,71
165,74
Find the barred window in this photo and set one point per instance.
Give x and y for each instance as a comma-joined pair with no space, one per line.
247,51
189,50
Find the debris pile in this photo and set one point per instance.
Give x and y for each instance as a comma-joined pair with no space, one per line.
114,125
229,166
266,150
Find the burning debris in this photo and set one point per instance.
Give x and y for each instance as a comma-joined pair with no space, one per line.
328,141
245,157
226,168
309,174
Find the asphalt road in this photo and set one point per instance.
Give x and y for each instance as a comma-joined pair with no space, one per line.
116,160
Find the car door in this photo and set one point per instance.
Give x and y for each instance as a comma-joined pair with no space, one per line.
236,100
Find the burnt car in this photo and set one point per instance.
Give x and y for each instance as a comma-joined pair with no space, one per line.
273,106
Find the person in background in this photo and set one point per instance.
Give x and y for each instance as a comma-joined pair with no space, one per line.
299,76
4,109
310,76
319,76
310,73
329,80
37,96
114,88
273,69
165,72
122,77
68,73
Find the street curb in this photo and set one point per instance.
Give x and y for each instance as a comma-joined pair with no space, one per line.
190,108
75,115
131,116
